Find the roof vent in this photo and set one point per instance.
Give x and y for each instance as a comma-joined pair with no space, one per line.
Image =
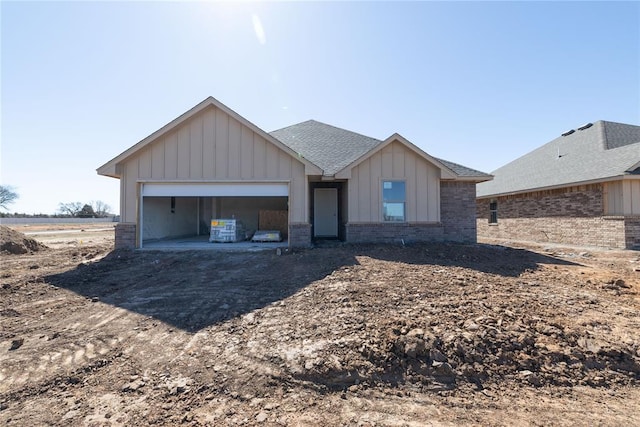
569,132
586,126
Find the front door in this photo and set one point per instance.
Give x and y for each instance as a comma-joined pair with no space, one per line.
325,212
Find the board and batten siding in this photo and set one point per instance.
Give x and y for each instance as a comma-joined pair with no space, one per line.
622,197
212,146
394,162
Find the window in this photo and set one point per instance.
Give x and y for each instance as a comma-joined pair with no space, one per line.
393,201
493,212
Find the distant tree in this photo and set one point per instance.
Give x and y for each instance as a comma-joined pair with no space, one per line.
70,209
87,212
100,208
7,196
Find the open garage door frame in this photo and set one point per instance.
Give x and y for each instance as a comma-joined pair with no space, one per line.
216,190
207,189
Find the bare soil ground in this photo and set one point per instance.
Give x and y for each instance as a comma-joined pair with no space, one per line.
69,235
433,334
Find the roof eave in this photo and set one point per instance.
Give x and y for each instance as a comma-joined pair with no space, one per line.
108,169
310,168
555,187
477,179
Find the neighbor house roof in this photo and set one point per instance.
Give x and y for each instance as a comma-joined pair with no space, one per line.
592,153
337,150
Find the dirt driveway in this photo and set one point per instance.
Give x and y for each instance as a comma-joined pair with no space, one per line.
344,335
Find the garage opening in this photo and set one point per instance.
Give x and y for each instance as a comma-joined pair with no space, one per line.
173,212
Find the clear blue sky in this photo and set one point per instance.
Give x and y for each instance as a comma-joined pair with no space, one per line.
476,83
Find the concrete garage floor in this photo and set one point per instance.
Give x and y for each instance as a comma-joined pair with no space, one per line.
202,243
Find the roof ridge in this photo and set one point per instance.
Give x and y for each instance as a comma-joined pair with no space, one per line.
610,130
329,125
346,130
603,135
603,151
617,123
295,124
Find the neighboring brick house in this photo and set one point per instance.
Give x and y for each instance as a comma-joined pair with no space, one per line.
582,188
328,182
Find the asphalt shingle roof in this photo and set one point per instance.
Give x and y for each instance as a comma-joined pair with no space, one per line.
327,146
461,170
332,148
604,150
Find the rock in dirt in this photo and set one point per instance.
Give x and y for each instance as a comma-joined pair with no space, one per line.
134,385
179,385
16,344
16,243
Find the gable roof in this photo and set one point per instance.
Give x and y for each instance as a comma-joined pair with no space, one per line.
322,148
109,168
600,152
338,150
329,147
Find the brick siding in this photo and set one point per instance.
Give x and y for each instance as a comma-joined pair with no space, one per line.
393,232
457,211
299,235
125,236
581,201
632,232
608,232
572,215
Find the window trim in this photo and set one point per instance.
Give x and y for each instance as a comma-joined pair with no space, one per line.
383,201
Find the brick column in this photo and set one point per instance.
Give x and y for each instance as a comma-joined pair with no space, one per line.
125,235
300,235
458,211
632,232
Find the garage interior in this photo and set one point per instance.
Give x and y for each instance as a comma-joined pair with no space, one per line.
169,218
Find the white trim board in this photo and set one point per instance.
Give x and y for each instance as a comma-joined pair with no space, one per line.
216,190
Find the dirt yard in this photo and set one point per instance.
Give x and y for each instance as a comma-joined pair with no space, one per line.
337,335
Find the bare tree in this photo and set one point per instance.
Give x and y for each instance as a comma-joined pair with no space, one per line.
7,196
71,208
100,208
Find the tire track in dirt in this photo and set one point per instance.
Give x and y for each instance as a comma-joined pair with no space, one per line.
68,346
30,367
320,337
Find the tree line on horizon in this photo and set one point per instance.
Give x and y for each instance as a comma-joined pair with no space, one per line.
93,209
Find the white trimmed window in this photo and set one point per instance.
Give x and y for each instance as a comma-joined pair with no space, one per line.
393,201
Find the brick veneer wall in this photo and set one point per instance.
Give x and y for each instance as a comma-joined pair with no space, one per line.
457,221
572,215
125,235
608,232
299,235
393,232
580,201
457,211
632,232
